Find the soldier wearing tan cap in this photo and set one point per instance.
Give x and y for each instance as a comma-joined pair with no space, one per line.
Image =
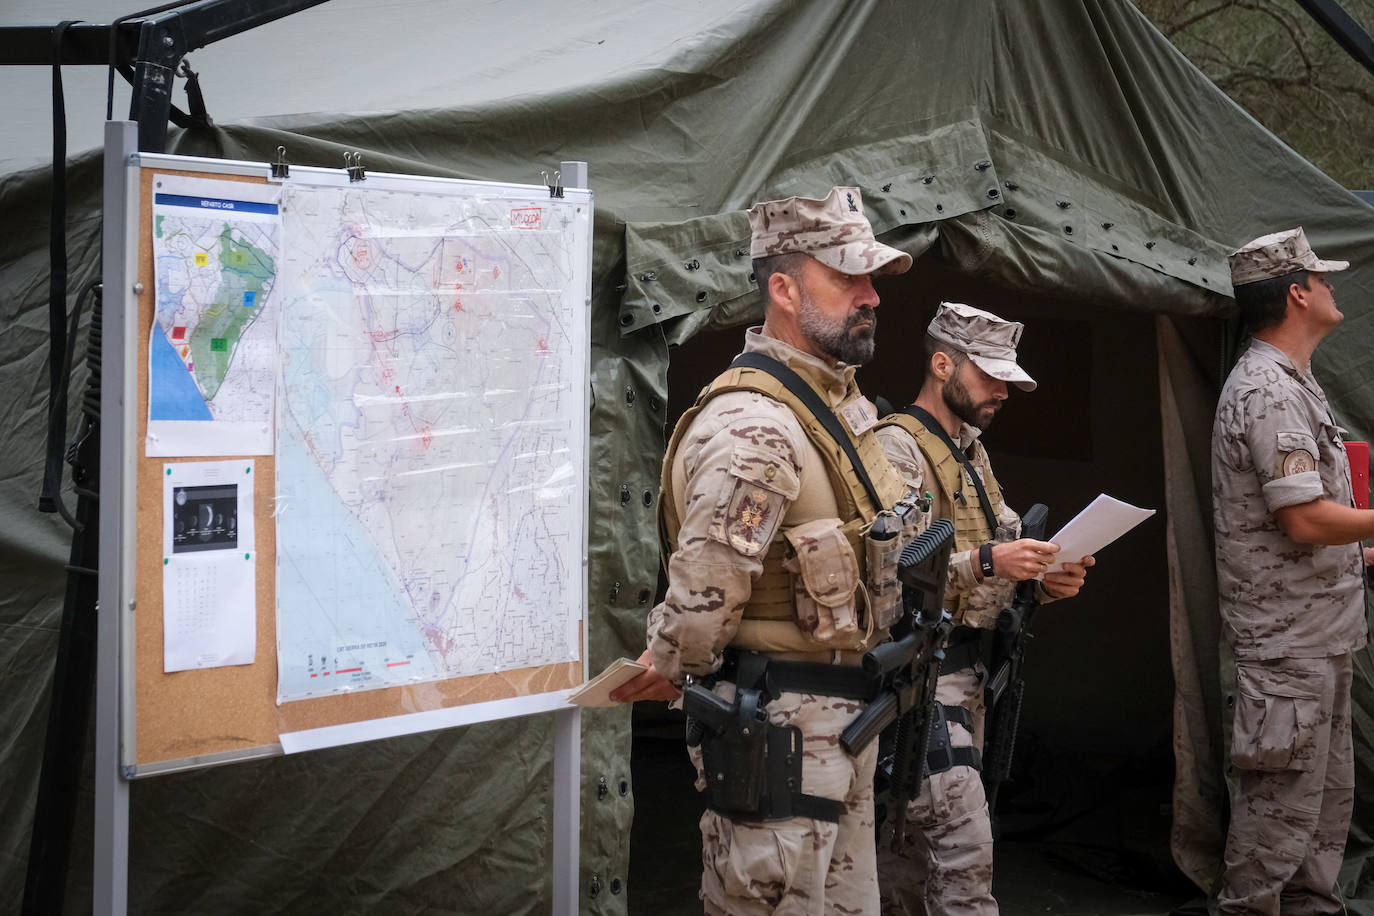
945,865
1290,587
771,602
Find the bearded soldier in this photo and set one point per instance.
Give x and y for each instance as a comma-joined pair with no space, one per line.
769,484
945,865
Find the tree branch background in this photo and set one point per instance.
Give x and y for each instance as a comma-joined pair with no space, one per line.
1277,63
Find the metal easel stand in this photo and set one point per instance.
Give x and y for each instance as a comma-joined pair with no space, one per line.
567,744
111,839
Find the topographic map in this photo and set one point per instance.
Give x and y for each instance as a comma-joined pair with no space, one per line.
212,352
431,437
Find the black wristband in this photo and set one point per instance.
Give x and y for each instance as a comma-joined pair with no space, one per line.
985,560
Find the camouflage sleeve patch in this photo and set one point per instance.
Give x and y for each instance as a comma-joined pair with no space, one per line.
758,489
1296,453
1292,478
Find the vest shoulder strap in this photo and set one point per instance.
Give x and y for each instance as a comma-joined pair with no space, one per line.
935,429
818,409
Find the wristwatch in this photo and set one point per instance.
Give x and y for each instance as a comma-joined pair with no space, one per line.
985,560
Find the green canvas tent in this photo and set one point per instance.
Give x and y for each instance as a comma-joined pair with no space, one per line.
1058,162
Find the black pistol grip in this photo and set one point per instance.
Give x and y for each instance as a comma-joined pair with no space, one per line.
869,724
1033,522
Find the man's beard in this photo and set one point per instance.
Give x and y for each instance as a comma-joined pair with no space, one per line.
960,403
845,339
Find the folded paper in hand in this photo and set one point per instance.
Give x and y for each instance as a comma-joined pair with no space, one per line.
1103,521
597,691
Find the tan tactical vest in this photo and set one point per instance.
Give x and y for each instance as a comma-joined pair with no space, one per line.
966,509
769,619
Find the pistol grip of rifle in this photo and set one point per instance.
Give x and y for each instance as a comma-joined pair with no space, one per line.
869,724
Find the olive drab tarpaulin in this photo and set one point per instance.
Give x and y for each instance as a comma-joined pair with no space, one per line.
1054,147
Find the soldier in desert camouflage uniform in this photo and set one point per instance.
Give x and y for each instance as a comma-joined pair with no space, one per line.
1291,588
946,864
763,531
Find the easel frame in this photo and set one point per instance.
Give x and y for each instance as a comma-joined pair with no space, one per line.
118,520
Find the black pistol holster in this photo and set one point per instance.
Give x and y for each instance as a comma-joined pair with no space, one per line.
753,769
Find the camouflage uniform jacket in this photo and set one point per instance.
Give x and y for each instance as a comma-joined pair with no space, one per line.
980,601
730,515
1276,444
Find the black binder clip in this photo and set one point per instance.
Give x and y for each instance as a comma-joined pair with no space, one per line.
353,164
280,169
556,186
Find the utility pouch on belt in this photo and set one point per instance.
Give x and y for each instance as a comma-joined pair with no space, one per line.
825,578
885,540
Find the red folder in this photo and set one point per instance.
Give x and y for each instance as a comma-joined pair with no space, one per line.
1358,453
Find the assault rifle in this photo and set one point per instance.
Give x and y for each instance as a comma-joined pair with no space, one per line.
909,664
1006,687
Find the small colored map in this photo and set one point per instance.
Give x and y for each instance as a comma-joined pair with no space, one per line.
431,436
212,352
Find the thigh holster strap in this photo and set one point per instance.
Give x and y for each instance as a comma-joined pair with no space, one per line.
940,755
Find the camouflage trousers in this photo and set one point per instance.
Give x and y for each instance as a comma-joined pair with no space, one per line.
945,866
799,866
1294,762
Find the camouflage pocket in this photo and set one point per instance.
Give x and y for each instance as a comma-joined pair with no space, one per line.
886,538
825,578
1278,713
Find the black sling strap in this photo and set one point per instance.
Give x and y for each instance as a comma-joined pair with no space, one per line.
819,409
936,429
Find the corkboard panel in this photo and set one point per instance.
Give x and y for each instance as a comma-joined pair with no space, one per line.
216,711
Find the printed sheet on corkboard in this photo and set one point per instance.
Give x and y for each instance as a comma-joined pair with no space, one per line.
399,368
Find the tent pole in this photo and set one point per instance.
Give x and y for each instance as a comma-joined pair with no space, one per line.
1343,27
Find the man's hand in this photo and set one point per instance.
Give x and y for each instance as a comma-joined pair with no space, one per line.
1368,555
647,685
1022,559
1067,580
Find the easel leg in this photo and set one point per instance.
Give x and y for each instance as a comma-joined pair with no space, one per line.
567,800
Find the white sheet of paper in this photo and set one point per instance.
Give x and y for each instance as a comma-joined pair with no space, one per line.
209,565
597,691
1104,520
212,347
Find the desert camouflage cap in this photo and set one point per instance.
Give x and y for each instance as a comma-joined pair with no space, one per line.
832,230
988,340
1277,254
